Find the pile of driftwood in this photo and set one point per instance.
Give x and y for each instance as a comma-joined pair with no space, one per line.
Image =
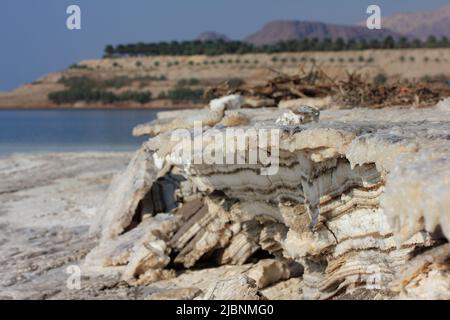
311,84
353,91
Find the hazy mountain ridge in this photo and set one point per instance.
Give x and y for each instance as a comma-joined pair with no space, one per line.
212,36
412,25
281,30
421,24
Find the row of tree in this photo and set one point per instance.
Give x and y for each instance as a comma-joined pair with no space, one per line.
219,47
179,94
89,90
98,95
82,88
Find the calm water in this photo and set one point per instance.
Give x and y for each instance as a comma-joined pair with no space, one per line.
70,130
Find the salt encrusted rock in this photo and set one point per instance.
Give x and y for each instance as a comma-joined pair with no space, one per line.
124,196
205,117
285,290
152,275
243,243
318,103
230,102
212,227
425,277
267,272
152,254
136,252
176,294
444,105
236,288
116,252
254,102
418,193
206,231
299,115
234,119
360,200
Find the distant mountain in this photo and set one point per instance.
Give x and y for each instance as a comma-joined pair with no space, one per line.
212,36
420,24
412,25
281,30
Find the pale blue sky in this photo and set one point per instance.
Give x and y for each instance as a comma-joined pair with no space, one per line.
34,39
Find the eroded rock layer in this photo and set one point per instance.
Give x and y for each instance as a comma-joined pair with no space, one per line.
356,203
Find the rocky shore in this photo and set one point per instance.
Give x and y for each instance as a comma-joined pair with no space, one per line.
356,208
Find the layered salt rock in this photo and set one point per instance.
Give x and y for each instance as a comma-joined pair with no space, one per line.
176,294
256,102
207,117
234,119
124,196
136,252
226,103
219,227
319,103
268,271
235,288
355,199
411,197
425,276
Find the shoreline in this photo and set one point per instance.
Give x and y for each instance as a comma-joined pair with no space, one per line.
96,108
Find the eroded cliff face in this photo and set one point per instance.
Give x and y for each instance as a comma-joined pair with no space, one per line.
358,205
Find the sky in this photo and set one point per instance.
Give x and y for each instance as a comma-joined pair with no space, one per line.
34,39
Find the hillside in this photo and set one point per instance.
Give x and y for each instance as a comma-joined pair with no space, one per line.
178,81
421,24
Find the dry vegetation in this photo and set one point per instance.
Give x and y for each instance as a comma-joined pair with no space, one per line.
352,91
162,76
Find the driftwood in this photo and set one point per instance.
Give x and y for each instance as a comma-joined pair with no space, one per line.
313,83
353,91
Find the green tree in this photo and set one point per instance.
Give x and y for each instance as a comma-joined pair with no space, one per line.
109,50
444,42
339,44
389,43
431,42
403,43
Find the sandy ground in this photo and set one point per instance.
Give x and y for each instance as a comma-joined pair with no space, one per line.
47,202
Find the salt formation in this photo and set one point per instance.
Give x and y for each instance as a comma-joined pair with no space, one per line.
300,115
359,206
